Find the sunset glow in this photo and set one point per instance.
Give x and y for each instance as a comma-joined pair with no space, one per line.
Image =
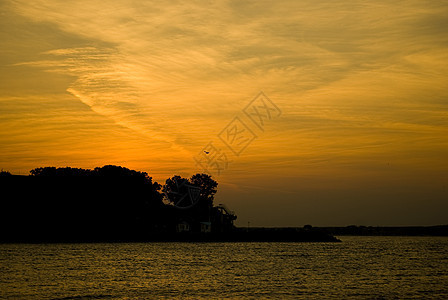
361,131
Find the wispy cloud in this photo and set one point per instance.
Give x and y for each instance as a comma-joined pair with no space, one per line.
359,83
168,62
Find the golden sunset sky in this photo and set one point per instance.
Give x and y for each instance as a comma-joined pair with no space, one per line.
362,87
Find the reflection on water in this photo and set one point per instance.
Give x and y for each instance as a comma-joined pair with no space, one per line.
360,267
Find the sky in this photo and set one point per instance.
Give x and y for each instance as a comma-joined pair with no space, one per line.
329,113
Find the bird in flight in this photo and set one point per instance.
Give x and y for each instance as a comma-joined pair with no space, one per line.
206,152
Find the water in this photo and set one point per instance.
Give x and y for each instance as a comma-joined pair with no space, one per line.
358,268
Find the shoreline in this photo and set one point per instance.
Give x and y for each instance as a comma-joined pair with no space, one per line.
234,236
240,234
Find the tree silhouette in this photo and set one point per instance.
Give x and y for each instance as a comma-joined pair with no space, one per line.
179,192
109,202
4,173
66,171
208,188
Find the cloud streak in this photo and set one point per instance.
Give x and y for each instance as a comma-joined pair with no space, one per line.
359,83
166,63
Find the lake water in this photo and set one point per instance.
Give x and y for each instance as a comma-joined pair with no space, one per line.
357,268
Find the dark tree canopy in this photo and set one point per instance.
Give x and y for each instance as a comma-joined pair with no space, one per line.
175,189
207,185
53,171
106,171
105,202
4,173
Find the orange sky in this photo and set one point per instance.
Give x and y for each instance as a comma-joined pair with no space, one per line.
362,134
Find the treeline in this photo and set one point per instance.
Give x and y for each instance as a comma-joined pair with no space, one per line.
438,230
105,203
